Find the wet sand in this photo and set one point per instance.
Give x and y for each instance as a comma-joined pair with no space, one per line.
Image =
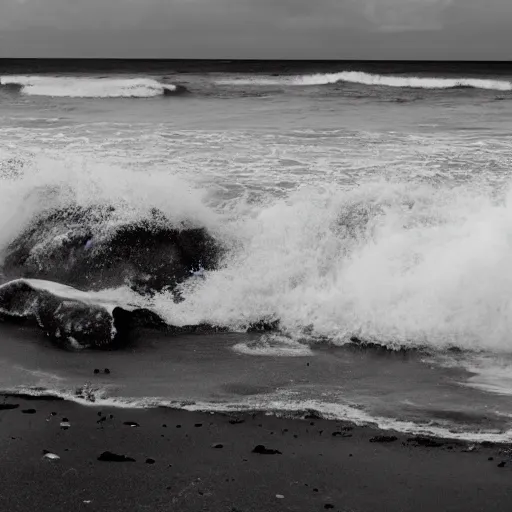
185,461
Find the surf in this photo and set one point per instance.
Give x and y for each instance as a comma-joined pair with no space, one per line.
397,264
88,87
370,79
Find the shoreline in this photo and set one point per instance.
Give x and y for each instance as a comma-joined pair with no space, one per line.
354,418
190,461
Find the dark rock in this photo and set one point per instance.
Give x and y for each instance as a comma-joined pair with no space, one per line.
164,426
427,442
502,464
8,407
341,434
312,415
131,424
218,445
150,461
98,250
383,439
490,458
42,397
265,451
96,371
113,457
197,425
328,506
29,411
67,321
178,426
264,326
236,421
315,490
65,419
107,371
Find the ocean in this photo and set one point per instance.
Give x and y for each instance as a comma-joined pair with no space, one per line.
279,236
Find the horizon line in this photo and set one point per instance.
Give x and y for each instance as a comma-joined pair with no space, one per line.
226,60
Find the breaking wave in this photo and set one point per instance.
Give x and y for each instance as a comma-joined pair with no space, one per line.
86,87
359,77
397,264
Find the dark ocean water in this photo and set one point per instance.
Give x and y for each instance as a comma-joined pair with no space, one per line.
336,204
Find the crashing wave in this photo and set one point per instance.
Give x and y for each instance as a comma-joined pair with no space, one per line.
85,87
360,77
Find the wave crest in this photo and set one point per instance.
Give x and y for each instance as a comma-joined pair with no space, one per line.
360,77
85,87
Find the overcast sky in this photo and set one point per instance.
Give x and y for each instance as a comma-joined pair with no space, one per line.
295,29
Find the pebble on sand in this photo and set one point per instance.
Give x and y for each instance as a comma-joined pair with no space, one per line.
383,439
265,451
8,407
341,434
50,456
131,424
113,457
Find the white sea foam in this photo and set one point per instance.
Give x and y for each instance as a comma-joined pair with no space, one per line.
395,263
107,299
276,406
87,87
336,411
30,187
359,77
274,345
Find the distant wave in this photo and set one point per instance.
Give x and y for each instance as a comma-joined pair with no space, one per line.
359,77
85,87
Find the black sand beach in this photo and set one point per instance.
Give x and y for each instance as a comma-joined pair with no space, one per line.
184,461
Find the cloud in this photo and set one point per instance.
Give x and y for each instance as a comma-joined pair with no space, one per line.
255,28
405,15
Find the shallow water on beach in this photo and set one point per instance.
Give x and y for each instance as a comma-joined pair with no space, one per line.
210,372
